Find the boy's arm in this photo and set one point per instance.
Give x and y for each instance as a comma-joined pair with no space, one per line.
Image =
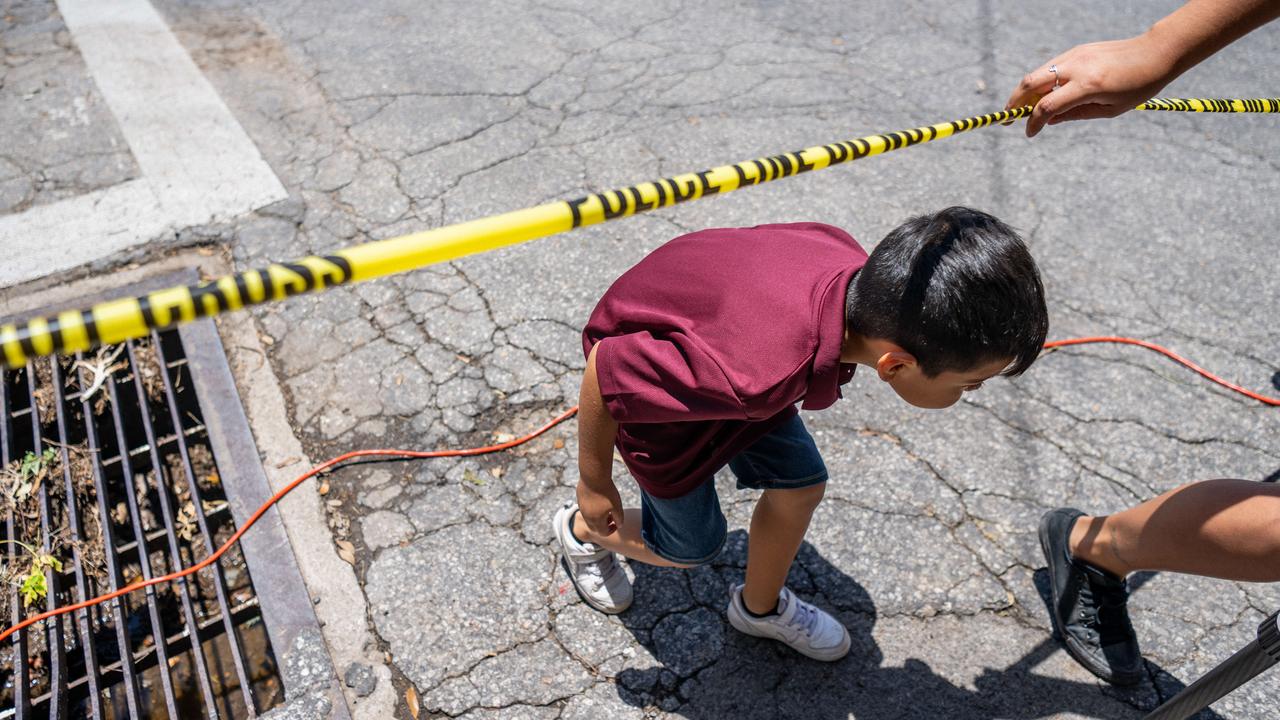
598,498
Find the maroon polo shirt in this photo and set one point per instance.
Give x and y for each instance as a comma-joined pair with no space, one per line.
707,344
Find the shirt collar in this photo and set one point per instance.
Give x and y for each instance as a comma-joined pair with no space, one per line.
828,372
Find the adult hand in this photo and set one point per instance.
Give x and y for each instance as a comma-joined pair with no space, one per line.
1098,80
1107,79
601,509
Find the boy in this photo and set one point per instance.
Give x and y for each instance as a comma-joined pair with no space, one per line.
697,355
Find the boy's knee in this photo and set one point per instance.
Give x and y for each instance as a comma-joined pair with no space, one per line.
804,499
818,492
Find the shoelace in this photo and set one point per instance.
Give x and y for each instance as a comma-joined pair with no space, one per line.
805,617
1103,610
594,571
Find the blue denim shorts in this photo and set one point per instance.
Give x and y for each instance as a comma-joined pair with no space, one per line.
690,529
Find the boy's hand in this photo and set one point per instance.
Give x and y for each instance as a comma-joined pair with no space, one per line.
601,509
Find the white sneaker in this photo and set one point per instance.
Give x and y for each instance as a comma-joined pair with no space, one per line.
595,572
807,629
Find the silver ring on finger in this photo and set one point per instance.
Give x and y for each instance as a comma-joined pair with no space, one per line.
1056,78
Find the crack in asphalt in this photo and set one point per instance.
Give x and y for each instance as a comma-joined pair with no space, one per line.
448,324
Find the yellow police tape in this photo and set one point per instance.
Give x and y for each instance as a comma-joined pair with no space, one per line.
118,320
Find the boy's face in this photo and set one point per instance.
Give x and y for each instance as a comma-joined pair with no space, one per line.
942,390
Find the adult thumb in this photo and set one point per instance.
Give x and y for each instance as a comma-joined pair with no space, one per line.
1055,103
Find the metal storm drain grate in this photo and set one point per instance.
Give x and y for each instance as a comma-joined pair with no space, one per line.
108,476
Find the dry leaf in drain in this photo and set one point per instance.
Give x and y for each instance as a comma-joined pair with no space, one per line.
411,699
187,526
346,551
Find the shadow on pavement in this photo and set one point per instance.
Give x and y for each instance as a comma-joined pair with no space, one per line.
708,670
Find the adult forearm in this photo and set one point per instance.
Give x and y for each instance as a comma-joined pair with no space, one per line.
1220,528
1106,79
1201,28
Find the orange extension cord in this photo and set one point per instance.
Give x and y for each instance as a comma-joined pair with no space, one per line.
506,446
1150,346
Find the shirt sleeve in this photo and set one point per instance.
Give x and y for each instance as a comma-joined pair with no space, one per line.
669,378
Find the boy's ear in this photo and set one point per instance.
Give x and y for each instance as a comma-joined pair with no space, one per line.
894,362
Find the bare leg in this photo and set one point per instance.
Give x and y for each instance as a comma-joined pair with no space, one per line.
778,525
625,541
1226,529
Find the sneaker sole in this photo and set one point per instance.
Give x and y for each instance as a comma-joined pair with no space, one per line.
1068,642
573,580
831,655
1052,563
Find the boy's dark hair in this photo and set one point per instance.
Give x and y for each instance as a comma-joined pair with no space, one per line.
955,289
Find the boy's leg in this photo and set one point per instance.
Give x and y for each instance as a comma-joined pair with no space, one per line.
764,606
625,541
786,466
1226,529
682,531
778,525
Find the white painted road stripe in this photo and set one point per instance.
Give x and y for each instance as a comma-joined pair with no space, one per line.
197,164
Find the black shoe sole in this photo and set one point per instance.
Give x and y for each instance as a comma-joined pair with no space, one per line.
1079,655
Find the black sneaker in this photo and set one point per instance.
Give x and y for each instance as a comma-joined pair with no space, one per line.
1089,607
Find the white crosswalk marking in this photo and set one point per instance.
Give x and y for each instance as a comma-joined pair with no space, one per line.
197,163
